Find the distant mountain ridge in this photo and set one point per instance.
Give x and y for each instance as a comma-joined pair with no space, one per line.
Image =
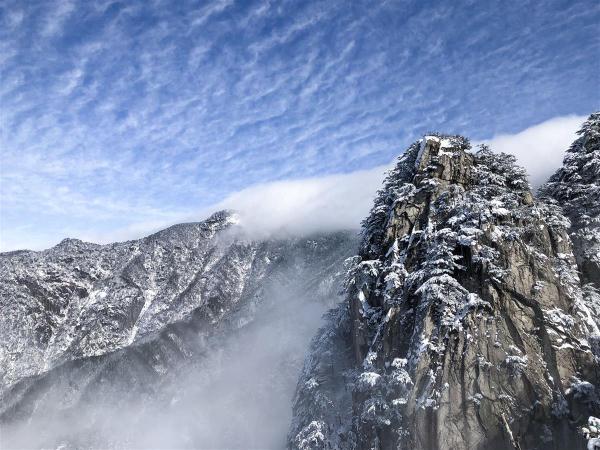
80,321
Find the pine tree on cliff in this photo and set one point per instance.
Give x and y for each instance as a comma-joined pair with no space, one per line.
576,188
374,225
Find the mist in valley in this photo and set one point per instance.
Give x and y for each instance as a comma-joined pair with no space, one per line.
237,395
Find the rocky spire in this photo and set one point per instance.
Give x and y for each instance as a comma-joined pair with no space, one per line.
465,324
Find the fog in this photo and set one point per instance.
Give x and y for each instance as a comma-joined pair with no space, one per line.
341,201
301,207
540,148
238,396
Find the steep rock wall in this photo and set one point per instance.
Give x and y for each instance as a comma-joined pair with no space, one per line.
466,322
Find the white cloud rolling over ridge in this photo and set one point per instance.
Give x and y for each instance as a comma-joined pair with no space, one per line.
328,202
308,205
342,201
540,148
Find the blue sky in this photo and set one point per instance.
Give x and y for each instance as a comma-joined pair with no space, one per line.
131,115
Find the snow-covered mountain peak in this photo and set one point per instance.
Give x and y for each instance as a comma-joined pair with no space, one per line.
464,309
86,325
436,148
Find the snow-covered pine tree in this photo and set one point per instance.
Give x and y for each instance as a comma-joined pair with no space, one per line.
576,188
373,226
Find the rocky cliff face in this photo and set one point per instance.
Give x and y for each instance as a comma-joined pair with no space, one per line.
88,331
467,325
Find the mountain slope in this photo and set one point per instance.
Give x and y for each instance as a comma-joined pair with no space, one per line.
465,325
98,342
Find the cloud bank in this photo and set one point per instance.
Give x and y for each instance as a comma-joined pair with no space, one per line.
540,148
342,201
305,206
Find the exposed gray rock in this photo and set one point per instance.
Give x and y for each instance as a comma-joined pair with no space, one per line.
466,325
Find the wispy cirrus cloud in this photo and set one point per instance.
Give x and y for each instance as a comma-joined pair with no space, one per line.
326,203
115,114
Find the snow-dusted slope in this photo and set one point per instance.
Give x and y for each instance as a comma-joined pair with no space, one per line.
97,340
80,300
465,326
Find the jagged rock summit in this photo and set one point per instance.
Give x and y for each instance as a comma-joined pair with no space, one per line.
466,325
